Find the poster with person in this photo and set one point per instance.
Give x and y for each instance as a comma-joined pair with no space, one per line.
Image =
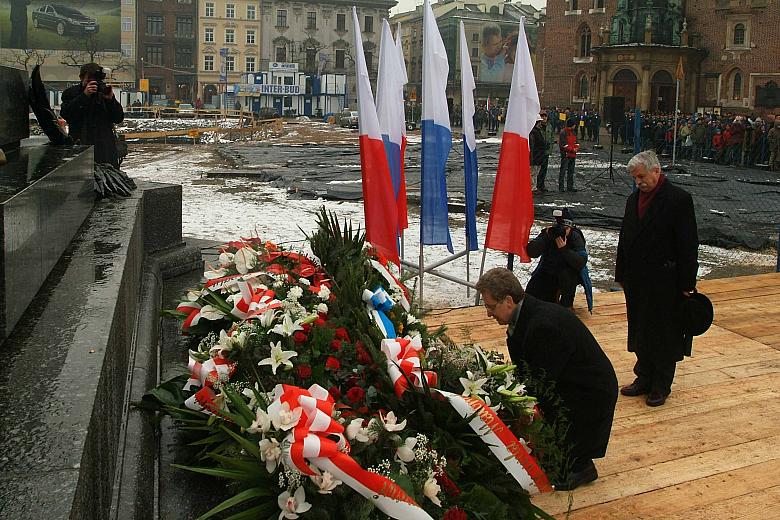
497,52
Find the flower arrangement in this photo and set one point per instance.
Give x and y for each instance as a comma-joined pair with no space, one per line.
321,394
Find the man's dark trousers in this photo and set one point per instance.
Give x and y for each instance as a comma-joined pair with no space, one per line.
567,169
654,374
542,175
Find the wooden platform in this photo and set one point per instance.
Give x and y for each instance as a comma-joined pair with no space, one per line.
713,450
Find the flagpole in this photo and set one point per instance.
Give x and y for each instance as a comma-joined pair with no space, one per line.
676,103
421,266
481,270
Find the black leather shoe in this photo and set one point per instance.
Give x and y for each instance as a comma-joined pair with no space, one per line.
634,389
578,478
656,399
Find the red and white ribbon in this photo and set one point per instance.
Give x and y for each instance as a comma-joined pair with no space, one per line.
403,364
253,301
208,375
193,313
317,443
403,359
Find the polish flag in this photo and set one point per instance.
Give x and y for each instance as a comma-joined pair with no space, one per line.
469,141
379,206
512,210
390,110
436,136
403,219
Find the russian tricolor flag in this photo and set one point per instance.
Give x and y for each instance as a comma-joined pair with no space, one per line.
379,204
512,210
390,110
436,136
469,140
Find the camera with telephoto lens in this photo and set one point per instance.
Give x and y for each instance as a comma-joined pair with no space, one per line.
559,229
100,78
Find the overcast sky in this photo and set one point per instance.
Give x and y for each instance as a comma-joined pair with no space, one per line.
408,5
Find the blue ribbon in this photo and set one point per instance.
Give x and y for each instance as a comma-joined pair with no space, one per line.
381,303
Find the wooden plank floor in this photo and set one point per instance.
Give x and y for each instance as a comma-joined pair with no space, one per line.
713,450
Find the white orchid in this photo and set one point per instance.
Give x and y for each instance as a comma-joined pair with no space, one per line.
356,431
225,259
248,392
270,453
288,327
322,309
405,452
210,312
294,293
245,259
215,273
278,357
471,385
282,417
390,423
325,482
431,490
261,424
324,293
293,504
267,319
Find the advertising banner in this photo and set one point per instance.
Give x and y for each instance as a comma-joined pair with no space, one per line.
83,26
497,45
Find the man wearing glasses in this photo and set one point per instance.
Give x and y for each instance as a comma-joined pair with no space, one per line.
558,347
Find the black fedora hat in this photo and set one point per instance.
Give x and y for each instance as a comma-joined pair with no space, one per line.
697,313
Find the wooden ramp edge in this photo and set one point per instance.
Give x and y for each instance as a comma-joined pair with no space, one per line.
713,450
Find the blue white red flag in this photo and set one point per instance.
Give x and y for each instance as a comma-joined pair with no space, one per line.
469,141
512,209
390,110
436,136
379,206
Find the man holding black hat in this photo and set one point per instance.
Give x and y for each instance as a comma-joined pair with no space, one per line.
656,266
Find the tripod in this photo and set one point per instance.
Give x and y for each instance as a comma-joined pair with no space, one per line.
608,169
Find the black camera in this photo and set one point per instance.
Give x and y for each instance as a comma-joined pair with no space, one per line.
562,220
557,231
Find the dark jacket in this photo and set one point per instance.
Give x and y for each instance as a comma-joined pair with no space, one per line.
656,262
551,339
538,145
91,120
554,259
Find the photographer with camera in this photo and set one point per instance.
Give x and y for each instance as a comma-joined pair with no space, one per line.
563,263
91,111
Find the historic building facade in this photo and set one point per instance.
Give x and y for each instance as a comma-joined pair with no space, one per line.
166,50
631,48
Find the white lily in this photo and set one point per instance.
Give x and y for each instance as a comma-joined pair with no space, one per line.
495,408
267,319
294,293
211,313
225,259
324,293
288,327
325,482
390,423
482,357
405,452
472,386
270,453
431,490
411,319
282,417
278,357
245,259
228,342
261,424
293,504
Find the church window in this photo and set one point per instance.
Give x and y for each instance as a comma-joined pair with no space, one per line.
736,86
585,42
582,91
739,34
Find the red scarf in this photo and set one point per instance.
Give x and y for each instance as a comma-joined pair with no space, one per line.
645,198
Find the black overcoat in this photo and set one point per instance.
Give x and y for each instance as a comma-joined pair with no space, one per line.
656,262
91,120
553,340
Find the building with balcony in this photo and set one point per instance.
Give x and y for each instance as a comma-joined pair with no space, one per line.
166,48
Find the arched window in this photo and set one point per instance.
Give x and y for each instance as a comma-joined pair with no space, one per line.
574,5
736,86
585,41
582,91
739,34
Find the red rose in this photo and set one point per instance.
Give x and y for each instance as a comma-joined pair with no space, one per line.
363,357
449,486
455,513
356,394
335,393
341,333
335,345
319,321
299,337
306,327
304,371
332,363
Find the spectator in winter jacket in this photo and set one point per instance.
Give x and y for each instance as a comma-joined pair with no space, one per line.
567,143
773,142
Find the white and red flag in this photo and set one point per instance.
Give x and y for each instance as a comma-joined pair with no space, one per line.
512,210
379,203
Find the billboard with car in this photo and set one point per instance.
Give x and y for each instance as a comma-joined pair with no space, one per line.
84,26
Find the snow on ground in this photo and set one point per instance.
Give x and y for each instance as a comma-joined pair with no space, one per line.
178,123
222,209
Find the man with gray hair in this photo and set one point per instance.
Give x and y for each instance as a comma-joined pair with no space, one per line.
656,266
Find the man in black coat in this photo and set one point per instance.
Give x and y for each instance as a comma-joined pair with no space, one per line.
559,347
656,266
91,115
